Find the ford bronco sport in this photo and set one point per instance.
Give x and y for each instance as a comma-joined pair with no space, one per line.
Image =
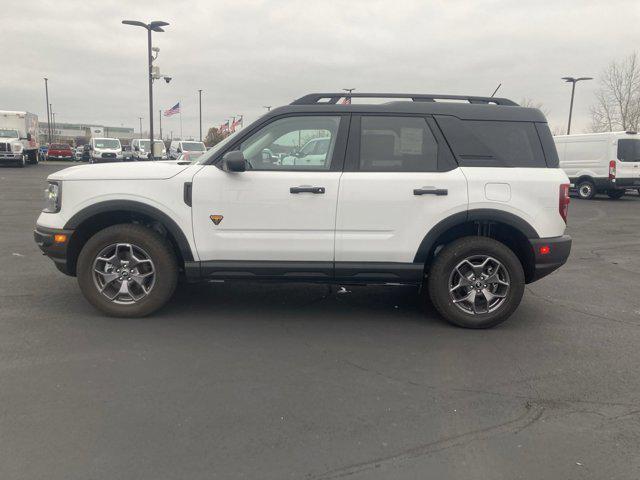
459,195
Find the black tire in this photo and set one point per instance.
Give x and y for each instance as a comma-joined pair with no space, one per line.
586,189
159,251
442,271
616,194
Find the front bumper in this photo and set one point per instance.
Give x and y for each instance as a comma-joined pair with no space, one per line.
56,251
10,157
558,250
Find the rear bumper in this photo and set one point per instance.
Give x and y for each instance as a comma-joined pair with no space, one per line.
559,249
44,238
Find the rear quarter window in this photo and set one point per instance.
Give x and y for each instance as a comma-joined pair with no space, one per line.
629,150
488,143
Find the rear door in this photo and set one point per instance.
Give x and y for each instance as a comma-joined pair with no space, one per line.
400,180
628,164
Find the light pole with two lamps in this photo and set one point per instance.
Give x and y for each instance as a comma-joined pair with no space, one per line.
155,26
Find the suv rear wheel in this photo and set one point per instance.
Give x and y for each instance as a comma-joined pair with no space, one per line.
127,270
476,282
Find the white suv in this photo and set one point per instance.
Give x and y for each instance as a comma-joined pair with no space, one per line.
464,199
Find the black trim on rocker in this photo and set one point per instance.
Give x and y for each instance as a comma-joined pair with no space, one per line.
137,207
379,272
313,272
481,214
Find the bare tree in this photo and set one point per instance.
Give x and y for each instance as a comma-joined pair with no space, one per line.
530,103
617,104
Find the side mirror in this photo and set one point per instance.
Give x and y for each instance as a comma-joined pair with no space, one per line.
136,148
234,161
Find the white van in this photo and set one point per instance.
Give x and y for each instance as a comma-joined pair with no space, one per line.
105,150
195,149
601,162
141,149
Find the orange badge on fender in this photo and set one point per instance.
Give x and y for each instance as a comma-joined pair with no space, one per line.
216,219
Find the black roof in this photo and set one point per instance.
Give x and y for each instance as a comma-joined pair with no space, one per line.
461,106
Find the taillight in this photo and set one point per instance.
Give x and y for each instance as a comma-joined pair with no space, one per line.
612,169
563,201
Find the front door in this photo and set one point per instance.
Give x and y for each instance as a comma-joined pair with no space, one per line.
282,208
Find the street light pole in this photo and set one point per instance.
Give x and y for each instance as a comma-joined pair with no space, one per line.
573,81
200,108
53,118
46,91
140,118
155,26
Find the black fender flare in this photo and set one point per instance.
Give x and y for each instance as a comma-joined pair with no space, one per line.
137,207
480,214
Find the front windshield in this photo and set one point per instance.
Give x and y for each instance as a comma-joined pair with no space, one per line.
193,147
8,133
106,143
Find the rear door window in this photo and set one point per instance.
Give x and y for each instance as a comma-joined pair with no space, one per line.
629,150
397,144
482,143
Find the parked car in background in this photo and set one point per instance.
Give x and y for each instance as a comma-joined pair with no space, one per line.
601,162
142,149
104,150
86,153
60,151
177,147
78,153
42,152
19,143
127,153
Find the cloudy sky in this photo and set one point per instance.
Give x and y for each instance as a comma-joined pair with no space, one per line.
248,53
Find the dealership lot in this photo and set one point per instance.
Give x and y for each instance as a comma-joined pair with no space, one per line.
302,381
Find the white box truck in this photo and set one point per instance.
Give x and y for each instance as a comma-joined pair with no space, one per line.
601,162
18,138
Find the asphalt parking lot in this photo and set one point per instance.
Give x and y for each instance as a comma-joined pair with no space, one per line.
302,382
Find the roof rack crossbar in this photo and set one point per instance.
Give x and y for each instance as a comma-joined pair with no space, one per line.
333,98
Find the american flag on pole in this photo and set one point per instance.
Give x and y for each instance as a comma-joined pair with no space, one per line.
346,101
237,123
224,128
173,110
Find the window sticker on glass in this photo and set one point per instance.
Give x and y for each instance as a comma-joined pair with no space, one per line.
411,141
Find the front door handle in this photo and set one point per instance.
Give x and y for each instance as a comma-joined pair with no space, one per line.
306,189
430,191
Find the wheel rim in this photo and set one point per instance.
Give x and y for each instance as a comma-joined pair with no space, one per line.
479,284
585,190
124,273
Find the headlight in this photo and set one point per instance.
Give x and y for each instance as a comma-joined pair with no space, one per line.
16,147
52,197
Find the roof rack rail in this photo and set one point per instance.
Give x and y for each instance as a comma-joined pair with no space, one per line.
333,98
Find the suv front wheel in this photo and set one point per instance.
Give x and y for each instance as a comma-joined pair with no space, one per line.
127,270
476,282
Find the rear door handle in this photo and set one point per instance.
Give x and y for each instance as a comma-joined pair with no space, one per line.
430,191
306,189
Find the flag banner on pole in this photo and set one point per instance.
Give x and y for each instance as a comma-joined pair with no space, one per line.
173,110
346,101
224,128
237,123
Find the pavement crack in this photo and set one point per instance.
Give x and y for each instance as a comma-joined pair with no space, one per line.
533,412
